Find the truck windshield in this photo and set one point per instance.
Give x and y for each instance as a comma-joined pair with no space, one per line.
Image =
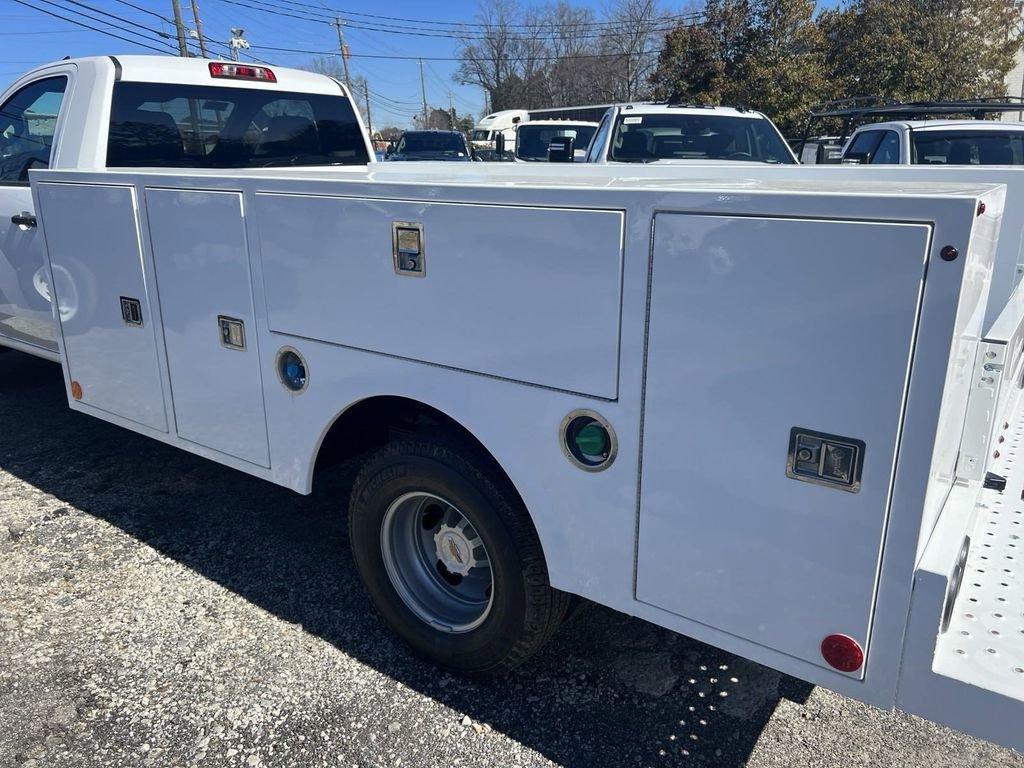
432,144
649,138
532,140
990,147
197,126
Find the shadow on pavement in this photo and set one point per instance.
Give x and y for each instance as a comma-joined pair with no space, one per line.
610,690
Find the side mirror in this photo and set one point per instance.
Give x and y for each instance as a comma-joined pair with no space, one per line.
562,150
499,144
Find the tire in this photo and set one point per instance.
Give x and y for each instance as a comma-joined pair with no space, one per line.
402,486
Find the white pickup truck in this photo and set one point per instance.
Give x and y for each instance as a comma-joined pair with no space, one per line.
936,142
758,406
131,111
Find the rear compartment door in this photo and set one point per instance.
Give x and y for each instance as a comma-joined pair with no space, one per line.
103,295
819,319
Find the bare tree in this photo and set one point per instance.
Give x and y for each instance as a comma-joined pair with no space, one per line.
489,59
630,47
561,54
573,72
325,65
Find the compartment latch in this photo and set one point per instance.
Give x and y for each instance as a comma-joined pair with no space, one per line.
816,457
407,245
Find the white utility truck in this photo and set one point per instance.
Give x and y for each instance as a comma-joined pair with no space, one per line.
735,405
668,133
133,111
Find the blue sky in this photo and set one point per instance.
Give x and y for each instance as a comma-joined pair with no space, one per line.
29,37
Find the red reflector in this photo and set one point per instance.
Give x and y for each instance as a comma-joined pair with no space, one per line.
981,207
842,652
234,71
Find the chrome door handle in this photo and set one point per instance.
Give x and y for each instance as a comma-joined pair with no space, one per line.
23,220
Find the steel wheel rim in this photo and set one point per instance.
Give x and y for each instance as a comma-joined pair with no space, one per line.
437,562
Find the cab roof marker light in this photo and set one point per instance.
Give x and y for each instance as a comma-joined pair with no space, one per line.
232,71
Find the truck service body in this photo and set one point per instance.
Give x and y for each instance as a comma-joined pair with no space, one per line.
761,406
658,305
78,101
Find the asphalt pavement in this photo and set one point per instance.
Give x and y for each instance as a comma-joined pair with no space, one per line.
157,609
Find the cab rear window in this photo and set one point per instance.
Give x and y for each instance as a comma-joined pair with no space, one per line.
195,126
988,147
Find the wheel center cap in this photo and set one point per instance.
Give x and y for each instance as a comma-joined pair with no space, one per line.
453,550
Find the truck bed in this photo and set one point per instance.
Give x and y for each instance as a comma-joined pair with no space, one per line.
984,642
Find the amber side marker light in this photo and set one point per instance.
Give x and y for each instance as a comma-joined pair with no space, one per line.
76,390
842,652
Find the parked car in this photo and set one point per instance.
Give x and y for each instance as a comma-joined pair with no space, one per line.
432,145
937,142
674,133
146,111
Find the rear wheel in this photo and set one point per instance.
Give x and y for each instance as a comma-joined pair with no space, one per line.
450,558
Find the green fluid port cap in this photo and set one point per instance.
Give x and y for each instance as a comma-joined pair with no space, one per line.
592,440
588,440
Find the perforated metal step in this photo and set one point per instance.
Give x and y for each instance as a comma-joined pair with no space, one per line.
984,644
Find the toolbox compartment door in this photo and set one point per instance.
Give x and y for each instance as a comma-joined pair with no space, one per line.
202,269
531,294
103,300
818,318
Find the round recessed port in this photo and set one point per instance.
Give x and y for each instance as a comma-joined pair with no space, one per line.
588,440
292,370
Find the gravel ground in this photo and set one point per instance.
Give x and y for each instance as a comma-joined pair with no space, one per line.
157,609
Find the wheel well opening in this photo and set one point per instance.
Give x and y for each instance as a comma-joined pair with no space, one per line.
376,421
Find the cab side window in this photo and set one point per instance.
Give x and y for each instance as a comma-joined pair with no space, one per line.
28,121
597,143
863,147
888,152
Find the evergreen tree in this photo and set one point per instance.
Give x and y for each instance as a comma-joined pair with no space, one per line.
922,49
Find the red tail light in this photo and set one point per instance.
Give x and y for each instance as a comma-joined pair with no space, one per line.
230,70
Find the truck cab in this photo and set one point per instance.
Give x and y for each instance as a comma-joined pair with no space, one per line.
148,111
936,142
686,133
504,122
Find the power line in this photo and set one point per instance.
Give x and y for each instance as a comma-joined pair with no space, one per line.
451,58
320,18
105,13
146,10
47,32
87,26
484,25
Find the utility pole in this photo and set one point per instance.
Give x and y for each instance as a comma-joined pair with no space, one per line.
423,91
179,27
199,28
344,50
451,110
369,119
